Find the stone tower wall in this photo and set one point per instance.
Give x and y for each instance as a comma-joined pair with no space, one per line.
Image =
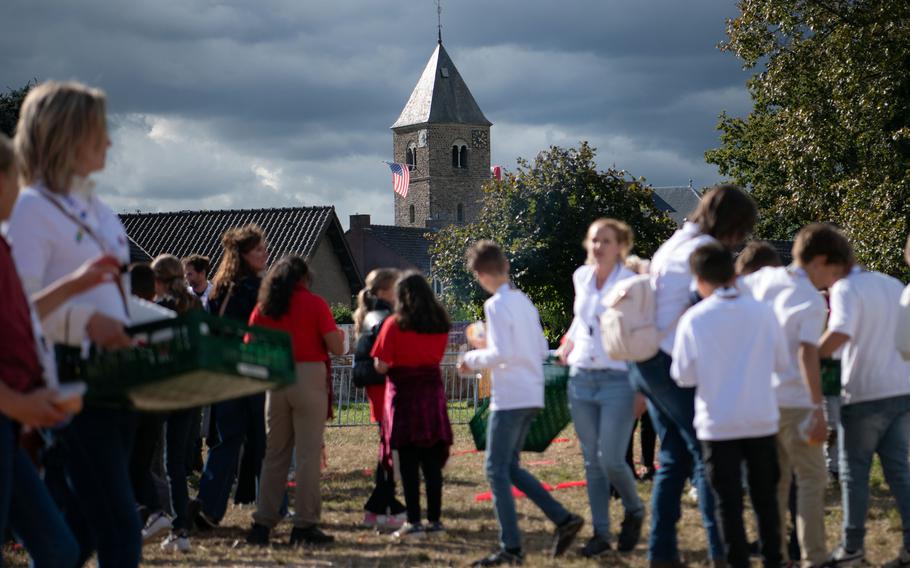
436,186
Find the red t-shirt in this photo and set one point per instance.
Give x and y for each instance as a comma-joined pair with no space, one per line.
307,321
397,348
20,368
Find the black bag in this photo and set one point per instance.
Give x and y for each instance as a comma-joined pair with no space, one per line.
363,373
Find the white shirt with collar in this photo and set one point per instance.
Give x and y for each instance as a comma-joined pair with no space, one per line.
865,307
588,351
672,279
48,245
204,297
730,364
801,312
515,352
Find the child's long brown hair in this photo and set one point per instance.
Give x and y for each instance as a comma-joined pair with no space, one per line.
418,309
233,268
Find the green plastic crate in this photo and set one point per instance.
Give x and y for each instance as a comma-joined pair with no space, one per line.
831,377
193,360
548,423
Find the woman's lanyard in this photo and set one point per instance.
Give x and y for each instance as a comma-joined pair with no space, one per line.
88,231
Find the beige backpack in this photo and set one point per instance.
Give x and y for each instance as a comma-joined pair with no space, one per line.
628,326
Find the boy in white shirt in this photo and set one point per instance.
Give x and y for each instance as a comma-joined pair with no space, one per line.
514,350
730,365
793,294
875,396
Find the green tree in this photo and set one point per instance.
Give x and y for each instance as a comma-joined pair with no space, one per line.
539,215
828,138
10,102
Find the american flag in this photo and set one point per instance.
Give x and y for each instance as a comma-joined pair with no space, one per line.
401,178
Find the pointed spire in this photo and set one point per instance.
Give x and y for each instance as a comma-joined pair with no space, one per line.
439,21
441,96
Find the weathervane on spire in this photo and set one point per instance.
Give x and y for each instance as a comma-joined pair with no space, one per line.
439,20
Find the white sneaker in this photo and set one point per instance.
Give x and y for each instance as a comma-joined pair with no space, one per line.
409,532
902,560
156,524
842,557
176,542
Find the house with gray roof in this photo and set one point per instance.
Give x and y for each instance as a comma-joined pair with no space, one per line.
312,232
677,201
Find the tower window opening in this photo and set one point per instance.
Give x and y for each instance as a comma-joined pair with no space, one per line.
459,213
459,155
411,215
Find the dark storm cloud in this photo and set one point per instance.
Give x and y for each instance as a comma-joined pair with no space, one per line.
284,102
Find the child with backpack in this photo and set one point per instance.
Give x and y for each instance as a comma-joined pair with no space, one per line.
736,416
374,304
514,350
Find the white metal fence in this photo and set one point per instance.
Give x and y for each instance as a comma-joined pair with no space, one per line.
353,409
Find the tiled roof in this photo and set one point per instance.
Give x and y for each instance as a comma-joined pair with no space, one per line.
296,230
137,253
441,96
678,202
411,243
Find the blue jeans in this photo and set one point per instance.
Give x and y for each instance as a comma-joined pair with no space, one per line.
27,508
602,404
178,439
672,410
506,435
233,420
100,506
867,428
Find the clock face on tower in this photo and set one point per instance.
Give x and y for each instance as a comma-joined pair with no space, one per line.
480,139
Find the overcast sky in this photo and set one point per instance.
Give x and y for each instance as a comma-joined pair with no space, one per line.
266,103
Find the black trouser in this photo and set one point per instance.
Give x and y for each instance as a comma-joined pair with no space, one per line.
411,460
723,464
382,500
146,447
648,438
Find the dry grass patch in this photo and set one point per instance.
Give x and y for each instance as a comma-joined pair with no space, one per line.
472,529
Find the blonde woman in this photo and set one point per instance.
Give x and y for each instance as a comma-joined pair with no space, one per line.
602,400
58,224
374,304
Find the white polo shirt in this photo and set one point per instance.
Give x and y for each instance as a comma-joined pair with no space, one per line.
865,306
47,245
727,347
672,279
588,351
801,312
903,325
515,351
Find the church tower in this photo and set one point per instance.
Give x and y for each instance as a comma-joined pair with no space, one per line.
445,137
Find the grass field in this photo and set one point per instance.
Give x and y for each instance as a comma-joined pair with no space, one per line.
472,530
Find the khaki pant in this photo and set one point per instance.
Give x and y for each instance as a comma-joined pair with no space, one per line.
808,463
295,420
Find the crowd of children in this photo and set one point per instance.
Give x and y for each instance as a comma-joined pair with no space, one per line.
734,391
